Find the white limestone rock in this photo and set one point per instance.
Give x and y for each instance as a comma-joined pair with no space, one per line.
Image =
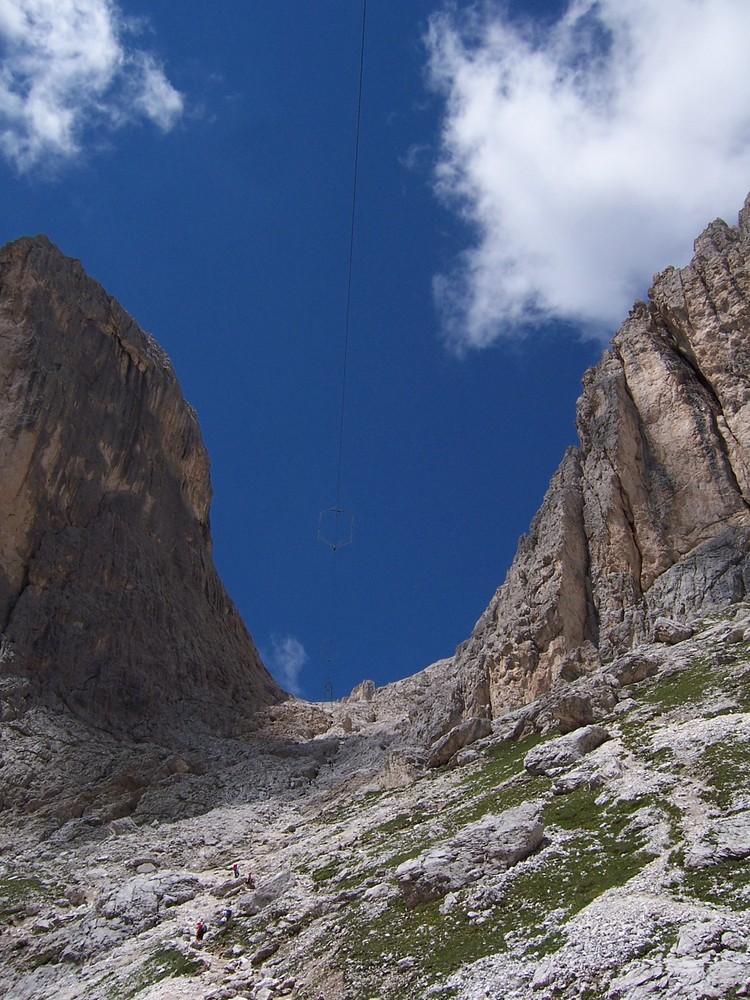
138,902
492,844
671,632
555,756
460,736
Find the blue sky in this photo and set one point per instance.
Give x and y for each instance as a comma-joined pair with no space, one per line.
524,169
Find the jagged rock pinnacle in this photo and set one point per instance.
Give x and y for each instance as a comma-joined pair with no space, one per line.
650,515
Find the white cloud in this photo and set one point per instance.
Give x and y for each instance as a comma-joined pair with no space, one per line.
585,155
286,661
65,69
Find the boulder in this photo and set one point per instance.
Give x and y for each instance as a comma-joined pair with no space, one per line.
583,702
264,895
365,691
229,887
402,768
555,756
264,953
122,825
698,937
590,774
633,667
721,839
459,737
486,847
139,901
668,631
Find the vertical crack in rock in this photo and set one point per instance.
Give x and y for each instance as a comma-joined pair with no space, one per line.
721,427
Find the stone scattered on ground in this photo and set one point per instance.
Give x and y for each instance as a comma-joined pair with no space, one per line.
619,851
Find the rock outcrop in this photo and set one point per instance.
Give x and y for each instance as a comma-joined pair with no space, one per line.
403,842
649,517
492,844
110,604
559,755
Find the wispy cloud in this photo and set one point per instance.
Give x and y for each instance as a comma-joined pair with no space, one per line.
286,660
585,154
66,68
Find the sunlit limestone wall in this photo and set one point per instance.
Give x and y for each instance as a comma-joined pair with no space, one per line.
649,516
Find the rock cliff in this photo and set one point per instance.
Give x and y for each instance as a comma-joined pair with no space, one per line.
110,603
590,839
649,516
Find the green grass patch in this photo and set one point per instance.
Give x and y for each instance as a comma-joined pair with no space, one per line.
721,766
328,871
500,763
665,759
577,811
492,786
599,853
396,831
404,821
438,943
724,670
167,963
610,821
402,837
724,884
689,686
522,788
48,956
18,891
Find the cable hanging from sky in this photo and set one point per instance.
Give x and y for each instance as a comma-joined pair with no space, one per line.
336,524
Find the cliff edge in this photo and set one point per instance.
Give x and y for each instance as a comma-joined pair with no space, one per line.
110,604
649,516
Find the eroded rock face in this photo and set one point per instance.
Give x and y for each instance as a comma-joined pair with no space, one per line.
110,603
649,517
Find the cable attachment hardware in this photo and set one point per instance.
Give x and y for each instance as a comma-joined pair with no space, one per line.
336,528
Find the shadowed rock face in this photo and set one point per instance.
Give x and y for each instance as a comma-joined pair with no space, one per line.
649,516
109,599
